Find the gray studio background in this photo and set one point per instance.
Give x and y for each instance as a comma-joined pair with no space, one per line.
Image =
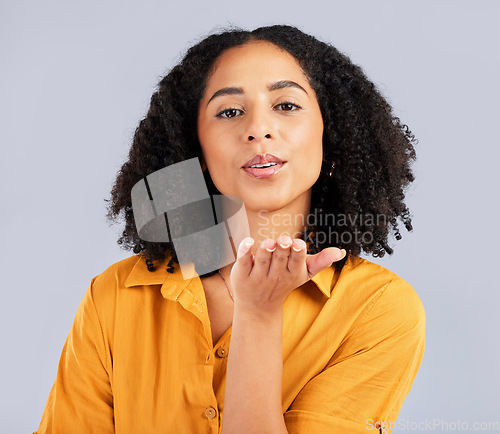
75,79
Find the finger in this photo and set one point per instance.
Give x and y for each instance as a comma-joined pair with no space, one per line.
325,258
262,258
279,261
244,255
297,254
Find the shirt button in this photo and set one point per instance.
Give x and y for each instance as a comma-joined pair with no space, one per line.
210,412
222,352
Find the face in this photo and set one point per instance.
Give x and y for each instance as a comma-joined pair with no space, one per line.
258,105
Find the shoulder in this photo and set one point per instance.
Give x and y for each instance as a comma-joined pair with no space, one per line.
384,313
115,276
361,271
384,295
125,277
104,287
108,290
119,270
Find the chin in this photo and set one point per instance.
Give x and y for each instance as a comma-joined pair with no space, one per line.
264,204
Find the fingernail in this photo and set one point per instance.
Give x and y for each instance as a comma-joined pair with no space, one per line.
343,254
286,245
271,250
245,246
263,245
302,246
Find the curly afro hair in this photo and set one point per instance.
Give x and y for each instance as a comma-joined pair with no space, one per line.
357,207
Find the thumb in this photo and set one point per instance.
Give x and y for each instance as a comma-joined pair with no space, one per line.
325,258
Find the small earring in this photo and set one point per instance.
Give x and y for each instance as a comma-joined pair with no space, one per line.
331,170
330,173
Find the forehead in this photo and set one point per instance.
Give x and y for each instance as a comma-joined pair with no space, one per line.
256,60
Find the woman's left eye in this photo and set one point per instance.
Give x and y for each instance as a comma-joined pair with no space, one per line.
288,106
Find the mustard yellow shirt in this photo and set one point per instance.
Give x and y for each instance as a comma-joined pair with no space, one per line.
139,357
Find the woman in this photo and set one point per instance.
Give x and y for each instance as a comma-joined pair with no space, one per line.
284,339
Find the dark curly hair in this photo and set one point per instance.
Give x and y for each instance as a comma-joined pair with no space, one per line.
357,207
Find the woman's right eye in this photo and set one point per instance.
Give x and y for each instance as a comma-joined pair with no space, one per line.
228,113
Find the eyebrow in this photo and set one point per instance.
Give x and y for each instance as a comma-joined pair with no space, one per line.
272,87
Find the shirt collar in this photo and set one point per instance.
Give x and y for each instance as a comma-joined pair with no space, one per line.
139,275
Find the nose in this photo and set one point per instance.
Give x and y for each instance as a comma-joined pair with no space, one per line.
258,126
267,136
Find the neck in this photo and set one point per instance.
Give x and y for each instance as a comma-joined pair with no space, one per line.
291,220
273,224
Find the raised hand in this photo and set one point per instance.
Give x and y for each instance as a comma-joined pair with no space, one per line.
263,280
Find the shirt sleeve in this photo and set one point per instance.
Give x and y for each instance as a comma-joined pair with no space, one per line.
363,387
81,400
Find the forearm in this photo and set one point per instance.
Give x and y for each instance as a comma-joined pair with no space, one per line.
252,402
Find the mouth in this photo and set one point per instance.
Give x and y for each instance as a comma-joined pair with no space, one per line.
263,170
260,161
263,166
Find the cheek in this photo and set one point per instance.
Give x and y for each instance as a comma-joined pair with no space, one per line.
215,160
208,144
206,136
310,142
312,149
317,139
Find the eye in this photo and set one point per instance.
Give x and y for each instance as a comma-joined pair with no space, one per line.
288,106
228,113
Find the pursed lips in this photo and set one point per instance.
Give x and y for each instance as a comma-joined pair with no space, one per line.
263,161
263,166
